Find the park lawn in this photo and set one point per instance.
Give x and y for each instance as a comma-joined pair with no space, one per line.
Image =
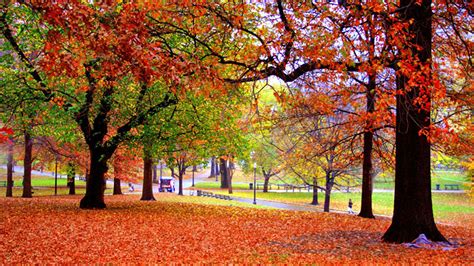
456,208
54,230
440,177
217,185
49,191
165,197
38,180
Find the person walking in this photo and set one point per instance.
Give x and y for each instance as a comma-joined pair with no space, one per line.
349,209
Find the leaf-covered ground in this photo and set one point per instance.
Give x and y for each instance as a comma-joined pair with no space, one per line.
54,230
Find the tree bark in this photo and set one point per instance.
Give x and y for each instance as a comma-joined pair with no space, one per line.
72,180
155,175
180,180
223,170
315,191
229,177
216,164
147,191
27,193
327,194
413,210
117,187
265,182
95,186
10,169
327,199
367,167
213,170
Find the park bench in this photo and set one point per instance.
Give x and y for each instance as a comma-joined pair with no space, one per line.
451,186
210,194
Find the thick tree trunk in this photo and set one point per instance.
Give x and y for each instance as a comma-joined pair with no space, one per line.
315,191
147,191
117,187
413,210
27,193
180,178
72,181
155,173
10,169
223,170
229,180
327,200
327,193
213,170
265,182
216,164
95,186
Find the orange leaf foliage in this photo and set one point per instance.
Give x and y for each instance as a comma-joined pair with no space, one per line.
54,230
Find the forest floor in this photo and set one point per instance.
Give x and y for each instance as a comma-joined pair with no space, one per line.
173,229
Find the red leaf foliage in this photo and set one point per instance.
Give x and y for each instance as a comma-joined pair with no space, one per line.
54,230
5,133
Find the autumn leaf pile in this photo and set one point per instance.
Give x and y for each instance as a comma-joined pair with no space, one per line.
55,230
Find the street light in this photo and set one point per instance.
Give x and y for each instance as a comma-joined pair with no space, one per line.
254,183
193,175
56,177
252,156
216,167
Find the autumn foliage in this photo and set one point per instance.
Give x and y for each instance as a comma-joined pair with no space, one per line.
51,230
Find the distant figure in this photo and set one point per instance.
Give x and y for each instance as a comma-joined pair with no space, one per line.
130,187
349,208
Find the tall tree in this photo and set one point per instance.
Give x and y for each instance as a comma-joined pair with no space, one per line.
413,211
99,67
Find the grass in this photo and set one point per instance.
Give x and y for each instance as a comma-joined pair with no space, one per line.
217,185
446,206
441,177
166,197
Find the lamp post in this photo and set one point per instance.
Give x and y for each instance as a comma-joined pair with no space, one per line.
216,168
254,183
193,175
56,176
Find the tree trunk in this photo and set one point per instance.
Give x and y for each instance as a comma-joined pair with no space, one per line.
213,170
367,168
315,191
10,169
95,186
155,175
327,193
223,168
27,193
413,210
229,179
71,178
265,182
327,199
180,179
147,191
216,164
117,187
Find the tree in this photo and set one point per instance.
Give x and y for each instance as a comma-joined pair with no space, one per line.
99,66
413,211
71,177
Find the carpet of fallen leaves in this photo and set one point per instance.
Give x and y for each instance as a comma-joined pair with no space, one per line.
55,230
